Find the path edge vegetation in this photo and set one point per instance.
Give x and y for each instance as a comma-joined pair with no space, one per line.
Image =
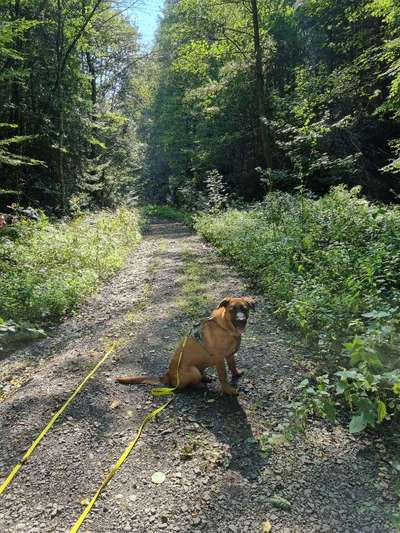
329,267
47,268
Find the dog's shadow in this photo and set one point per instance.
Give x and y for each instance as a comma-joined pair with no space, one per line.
226,418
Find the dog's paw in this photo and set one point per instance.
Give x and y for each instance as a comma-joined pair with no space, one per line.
231,391
238,373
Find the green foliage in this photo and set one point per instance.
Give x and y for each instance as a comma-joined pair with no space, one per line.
372,397
167,211
12,333
389,55
47,268
216,193
281,503
7,157
332,268
332,89
68,102
202,109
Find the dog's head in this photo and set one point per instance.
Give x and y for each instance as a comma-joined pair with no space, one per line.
237,310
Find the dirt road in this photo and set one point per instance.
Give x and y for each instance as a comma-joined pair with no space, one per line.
223,458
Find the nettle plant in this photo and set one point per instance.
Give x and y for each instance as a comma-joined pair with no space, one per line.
370,384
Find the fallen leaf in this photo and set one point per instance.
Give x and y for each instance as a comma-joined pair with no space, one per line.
158,477
266,526
115,404
281,503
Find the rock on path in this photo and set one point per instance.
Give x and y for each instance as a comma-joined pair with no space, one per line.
221,472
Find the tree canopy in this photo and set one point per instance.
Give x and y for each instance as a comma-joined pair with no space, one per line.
276,94
68,103
330,82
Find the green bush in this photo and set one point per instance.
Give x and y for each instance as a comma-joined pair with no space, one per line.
46,268
332,268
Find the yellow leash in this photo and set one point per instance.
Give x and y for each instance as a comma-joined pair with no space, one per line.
166,391
158,391
53,419
117,465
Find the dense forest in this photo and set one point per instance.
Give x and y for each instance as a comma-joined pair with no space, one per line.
276,94
69,104
262,95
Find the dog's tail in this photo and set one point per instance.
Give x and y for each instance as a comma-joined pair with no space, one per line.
149,380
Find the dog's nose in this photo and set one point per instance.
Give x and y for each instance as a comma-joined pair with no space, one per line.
240,316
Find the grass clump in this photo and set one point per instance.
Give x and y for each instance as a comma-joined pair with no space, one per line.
47,268
332,268
195,300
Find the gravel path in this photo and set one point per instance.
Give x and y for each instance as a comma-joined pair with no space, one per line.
220,471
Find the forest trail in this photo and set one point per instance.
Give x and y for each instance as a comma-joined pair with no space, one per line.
217,476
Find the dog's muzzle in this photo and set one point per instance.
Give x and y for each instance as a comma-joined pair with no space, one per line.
240,322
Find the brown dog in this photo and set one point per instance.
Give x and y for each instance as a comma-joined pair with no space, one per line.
216,339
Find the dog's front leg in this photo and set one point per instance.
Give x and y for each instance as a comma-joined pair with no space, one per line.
236,372
220,366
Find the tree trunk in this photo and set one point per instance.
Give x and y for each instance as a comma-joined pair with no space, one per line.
60,103
92,71
16,96
93,86
260,89
16,115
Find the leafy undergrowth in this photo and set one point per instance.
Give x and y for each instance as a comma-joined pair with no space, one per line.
47,268
332,268
167,211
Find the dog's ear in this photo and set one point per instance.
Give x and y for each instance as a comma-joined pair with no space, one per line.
225,302
250,302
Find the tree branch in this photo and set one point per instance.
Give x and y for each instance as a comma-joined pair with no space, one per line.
79,34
